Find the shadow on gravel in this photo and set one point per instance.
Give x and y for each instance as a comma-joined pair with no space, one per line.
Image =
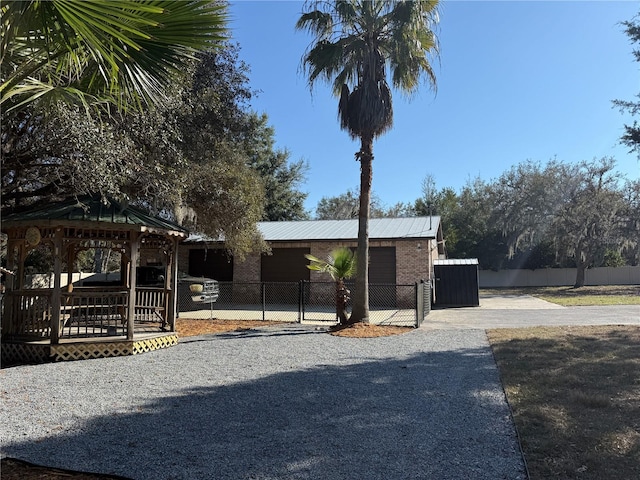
431,415
252,333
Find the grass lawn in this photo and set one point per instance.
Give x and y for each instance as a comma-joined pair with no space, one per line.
569,296
575,396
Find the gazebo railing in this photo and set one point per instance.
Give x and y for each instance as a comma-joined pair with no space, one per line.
30,313
94,313
151,305
84,312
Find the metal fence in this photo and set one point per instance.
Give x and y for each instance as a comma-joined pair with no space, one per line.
309,303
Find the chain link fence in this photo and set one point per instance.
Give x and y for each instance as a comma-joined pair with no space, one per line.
308,303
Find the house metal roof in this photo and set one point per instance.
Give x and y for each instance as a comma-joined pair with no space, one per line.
92,209
318,230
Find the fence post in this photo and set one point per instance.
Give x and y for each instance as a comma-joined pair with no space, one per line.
264,300
300,301
419,296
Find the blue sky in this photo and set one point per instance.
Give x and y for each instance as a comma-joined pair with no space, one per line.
516,81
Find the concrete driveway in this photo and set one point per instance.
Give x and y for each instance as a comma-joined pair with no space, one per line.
514,311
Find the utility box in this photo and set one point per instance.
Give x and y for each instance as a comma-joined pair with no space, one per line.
456,283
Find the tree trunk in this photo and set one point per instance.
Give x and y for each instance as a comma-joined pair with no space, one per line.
581,266
360,311
342,297
98,261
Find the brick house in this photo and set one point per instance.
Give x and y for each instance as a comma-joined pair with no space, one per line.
401,251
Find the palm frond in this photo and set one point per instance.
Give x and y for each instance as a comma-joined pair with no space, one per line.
123,51
319,24
340,264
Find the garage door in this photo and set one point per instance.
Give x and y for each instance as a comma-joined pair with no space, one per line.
382,265
284,269
285,265
382,277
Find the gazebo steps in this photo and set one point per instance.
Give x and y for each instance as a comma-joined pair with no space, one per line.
41,351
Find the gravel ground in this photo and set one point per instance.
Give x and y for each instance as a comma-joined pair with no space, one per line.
286,402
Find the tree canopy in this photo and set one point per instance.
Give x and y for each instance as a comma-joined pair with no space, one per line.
201,156
537,215
345,206
631,137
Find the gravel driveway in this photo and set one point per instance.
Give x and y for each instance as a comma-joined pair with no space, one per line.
287,402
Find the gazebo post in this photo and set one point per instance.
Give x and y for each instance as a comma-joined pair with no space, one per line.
8,323
133,262
172,285
71,260
56,294
20,271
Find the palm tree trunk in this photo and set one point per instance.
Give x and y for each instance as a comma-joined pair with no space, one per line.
342,297
360,311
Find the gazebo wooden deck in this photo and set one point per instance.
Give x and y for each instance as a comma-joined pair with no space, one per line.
102,319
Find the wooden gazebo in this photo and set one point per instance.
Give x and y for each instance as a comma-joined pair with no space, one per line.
65,321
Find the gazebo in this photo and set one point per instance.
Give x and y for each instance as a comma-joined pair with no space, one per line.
67,320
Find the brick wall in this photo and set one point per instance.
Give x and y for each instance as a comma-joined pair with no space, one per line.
412,259
247,271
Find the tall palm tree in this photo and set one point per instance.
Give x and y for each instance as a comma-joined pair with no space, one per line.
340,265
355,43
114,52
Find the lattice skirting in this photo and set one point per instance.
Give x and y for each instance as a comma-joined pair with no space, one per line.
150,344
13,353
85,351
24,353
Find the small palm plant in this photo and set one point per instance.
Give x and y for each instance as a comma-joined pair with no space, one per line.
341,265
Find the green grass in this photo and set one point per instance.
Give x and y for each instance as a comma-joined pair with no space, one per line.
575,396
569,296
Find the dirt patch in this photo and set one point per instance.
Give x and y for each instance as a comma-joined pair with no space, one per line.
187,327
365,330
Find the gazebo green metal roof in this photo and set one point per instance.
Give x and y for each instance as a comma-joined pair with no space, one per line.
93,210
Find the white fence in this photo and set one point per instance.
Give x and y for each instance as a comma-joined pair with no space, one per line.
557,277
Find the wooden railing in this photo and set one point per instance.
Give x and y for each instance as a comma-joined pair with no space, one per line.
94,313
151,305
27,313
84,312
